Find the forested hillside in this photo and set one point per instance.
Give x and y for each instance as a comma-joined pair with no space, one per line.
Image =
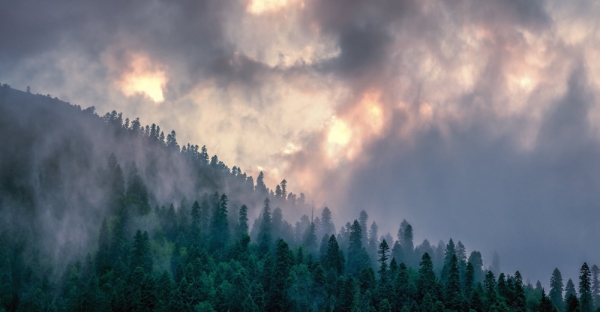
101,213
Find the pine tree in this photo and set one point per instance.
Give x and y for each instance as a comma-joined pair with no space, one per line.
585,292
220,225
242,228
520,301
468,280
385,284
326,223
448,254
355,249
556,289
596,285
264,233
141,255
546,304
334,258
477,262
572,304
427,283
405,236
453,295
489,285
570,289
278,299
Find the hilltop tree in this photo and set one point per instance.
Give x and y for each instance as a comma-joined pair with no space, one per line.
570,289
264,233
556,289
242,228
585,292
355,249
220,225
596,285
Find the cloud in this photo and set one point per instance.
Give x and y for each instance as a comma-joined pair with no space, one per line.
470,119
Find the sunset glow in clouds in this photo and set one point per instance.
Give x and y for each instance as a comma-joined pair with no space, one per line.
440,112
143,77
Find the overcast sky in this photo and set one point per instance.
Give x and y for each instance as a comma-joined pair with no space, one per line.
474,120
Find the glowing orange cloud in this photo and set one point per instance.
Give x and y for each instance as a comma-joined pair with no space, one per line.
143,77
264,6
347,133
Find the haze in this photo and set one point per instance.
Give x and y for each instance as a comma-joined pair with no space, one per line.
477,121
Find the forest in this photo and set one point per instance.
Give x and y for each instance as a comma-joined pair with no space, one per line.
101,213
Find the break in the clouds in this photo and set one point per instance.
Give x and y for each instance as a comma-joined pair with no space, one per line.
473,120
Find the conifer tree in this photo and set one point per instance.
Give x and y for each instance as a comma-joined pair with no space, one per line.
570,289
427,283
264,233
355,249
452,294
596,285
242,228
556,289
572,304
585,291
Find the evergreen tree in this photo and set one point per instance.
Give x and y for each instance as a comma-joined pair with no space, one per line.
334,258
572,304
477,262
220,225
278,292
355,249
570,289
585,290
242,228
141,255
556,289
326,223
264,233
427,283
448,254
405,236
468,280
195,224
519,303
546,304
489,285
596,285
452,292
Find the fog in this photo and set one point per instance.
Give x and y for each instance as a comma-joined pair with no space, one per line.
473,121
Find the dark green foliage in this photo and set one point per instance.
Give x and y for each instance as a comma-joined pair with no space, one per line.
572,304
242,228
596,285
556,289
356,256
195,256
570,289
219,225
546,304
427,284
585,289
452,292
264,234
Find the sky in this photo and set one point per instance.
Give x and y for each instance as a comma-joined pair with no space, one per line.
473,120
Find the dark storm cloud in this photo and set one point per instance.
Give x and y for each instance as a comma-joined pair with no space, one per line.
185,35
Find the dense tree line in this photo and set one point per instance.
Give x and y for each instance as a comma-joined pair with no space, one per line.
203,253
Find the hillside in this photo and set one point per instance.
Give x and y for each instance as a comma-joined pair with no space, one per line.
102,213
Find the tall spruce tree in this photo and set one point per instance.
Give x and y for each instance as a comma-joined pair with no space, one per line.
585,289
556,290
265,230
452,293
596,285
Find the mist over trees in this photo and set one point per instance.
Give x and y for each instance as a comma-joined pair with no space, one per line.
101,213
